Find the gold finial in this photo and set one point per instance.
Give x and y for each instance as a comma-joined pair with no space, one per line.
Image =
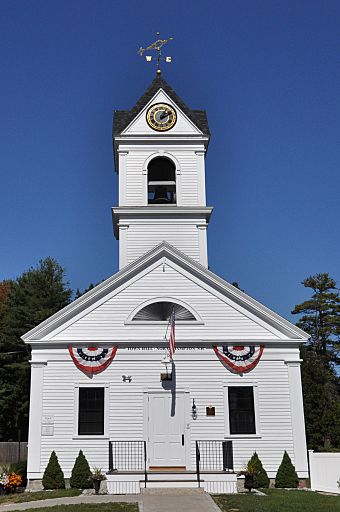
157,46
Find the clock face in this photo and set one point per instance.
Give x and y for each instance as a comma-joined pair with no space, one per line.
161,117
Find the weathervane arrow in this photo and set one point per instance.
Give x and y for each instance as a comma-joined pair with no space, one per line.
157,46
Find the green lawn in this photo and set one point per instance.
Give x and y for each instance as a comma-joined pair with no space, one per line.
41,495
94,507
278,501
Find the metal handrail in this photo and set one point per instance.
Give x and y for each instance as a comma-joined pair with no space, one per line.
213,455
128,456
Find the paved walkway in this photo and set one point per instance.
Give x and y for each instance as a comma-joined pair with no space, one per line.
162,502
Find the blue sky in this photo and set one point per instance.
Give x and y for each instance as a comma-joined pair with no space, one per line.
268,74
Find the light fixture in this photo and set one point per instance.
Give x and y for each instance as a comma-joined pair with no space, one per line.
148,58
194,410
168,367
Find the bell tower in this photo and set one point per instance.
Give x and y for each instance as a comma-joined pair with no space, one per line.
159,150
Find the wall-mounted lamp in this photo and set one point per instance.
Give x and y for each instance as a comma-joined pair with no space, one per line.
126,378
167,364
194,410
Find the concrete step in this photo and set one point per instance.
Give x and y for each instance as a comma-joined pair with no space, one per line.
172,490
180,484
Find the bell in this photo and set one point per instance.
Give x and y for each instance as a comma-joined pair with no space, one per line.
161,196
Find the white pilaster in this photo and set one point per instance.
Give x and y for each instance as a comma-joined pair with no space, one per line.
123,245
297,416
36,406
202,240
122,177
201,177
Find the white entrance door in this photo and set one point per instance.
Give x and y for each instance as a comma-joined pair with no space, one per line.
166,425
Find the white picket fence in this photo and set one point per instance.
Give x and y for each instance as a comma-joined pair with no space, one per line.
324,471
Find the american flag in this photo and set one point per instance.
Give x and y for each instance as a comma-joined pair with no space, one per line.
172,343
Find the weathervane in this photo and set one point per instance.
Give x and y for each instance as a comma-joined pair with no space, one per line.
157,45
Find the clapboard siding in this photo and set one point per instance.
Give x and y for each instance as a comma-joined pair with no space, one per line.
203,377
140,237
220,319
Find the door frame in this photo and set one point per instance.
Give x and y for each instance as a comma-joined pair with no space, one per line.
187,421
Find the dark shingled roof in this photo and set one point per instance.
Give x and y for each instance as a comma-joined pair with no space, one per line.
122,118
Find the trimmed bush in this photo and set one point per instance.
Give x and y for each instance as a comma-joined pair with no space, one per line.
81,473
53,476
286,475
260,476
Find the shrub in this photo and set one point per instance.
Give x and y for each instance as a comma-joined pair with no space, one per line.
53,476
260,477
81,473
286,475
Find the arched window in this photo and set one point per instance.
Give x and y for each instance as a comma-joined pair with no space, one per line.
161,181
161,311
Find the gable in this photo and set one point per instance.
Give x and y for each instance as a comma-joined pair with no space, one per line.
123,118
183,126
219,318
165,273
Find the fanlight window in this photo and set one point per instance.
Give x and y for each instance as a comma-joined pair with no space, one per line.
161,311
161,181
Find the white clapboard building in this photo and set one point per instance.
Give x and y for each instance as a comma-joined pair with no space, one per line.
102,377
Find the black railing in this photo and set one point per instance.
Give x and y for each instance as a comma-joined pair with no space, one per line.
128,456
213,456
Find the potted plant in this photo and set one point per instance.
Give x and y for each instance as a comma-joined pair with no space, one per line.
97,476
249,474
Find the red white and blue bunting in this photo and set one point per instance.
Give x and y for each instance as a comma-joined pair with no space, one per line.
240,358
92,359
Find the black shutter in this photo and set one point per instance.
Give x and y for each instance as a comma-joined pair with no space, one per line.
91,411
241,410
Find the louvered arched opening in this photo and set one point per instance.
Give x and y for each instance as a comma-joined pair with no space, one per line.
161,311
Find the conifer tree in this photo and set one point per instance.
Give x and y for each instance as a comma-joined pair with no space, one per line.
321,315
53,476
31,298
261,479
286,475
81,472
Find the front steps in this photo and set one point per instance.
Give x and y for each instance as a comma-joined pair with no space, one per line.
121,482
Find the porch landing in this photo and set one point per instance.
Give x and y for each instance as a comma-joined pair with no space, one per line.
129,482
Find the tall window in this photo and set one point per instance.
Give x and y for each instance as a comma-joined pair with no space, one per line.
91,411
241,410
161,181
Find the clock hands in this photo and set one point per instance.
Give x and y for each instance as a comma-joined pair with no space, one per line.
163,116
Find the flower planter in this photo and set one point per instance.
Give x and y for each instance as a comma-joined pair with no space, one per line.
96,485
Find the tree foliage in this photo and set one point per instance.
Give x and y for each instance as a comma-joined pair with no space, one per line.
53,475
81,473
34,296
286,476
260,477
321,315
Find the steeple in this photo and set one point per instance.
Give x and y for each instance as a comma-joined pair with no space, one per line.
159,148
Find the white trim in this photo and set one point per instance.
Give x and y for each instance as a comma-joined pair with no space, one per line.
297,416
233,384
106,387
35,416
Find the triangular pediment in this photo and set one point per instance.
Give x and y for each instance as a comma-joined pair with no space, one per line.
222,312
183,126
124,119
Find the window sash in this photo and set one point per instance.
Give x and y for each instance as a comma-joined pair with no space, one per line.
241,410
91,411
